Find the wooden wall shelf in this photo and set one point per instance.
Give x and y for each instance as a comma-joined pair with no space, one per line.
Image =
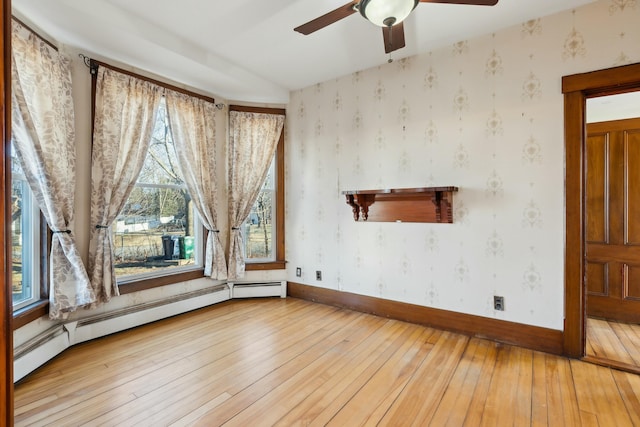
427,204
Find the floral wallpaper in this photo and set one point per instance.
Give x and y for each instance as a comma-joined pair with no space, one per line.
485,115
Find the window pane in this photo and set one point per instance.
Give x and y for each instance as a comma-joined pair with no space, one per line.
155,231
24,245
259,227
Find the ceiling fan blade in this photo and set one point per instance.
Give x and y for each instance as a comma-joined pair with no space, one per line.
473,2
393,37
327,19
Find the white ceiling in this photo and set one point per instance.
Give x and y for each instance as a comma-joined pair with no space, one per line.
246,50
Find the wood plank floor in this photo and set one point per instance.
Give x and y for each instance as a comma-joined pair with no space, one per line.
289,362
613,341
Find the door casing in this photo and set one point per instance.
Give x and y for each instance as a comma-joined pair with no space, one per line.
6,299
576,89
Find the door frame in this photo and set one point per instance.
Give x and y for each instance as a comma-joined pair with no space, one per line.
576,89
6,304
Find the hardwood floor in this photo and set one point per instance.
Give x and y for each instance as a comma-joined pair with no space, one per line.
614,341
292,362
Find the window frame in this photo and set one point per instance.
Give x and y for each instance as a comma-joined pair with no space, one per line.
33,237
279,263
199,233
38,308
198,228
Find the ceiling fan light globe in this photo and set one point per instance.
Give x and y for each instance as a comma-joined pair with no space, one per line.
379,12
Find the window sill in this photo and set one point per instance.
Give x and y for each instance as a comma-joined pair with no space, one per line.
131,286
260,266
34,311
30,313
38,309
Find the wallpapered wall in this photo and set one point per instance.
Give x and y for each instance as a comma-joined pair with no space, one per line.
485,115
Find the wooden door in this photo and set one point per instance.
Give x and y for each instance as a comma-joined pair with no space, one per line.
612,226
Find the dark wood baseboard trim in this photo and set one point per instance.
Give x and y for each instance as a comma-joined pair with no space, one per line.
527,336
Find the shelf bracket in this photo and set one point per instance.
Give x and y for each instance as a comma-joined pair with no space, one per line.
354,207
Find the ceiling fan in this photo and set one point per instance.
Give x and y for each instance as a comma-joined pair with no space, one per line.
387,14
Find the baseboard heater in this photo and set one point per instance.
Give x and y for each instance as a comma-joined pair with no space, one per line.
130,317
42,348
38,351
258,289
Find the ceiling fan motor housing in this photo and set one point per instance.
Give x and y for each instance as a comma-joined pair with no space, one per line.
386,13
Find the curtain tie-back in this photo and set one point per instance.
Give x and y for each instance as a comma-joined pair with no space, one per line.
235,228
101,226
61,231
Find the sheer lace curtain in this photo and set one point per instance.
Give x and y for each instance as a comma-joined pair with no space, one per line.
125,113
253,138
192,122
44,140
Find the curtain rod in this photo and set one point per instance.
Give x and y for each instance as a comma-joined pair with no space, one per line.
93,65
34,32
261,110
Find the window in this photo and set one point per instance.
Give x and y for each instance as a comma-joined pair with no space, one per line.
25,240
263,230
158,230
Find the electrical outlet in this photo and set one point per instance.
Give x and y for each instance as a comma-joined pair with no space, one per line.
318,275
298,272
498,303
